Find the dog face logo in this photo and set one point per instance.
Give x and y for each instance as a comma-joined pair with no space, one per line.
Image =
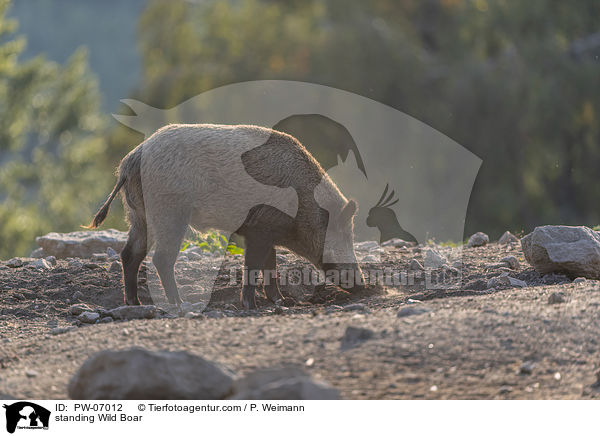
26,415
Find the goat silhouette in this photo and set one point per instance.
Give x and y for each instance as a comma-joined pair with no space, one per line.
384,218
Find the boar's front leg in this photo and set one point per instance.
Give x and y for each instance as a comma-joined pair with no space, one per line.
257,252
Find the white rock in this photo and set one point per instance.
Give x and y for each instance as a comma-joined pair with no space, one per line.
138,374
478,239
571,250
81,244
115,267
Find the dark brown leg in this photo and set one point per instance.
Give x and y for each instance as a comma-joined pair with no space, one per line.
132,256
270,277
257,251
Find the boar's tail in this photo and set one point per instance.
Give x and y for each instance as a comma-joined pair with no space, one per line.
103,212
129,164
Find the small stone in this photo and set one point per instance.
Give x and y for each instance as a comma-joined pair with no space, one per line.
106,320
505,389
31,373
527,367
366,245
511,261
38,253
115,267
579,280
60,330
194,315
355,307
88,317
15,262
91,265
370,258
507,238
78,309
412,310
133,312
110,252
333,308
476,285
517,283
214,314
39,264
556,298
397,243
74,263
99,256
433,259
557,376
51,260
478,239
415,265
77,295
353,336
280,310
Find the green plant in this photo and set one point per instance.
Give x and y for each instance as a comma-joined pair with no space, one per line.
213,242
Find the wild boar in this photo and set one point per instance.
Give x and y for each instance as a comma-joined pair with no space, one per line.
257,182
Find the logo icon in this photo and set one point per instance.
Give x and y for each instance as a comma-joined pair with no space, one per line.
26,415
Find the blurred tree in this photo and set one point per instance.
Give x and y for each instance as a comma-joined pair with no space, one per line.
514,82
53,164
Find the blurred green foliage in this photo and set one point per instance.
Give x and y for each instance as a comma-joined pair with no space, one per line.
52,154
212,242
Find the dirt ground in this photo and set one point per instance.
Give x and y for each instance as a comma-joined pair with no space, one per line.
469,342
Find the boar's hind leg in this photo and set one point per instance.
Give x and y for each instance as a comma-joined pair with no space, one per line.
168,238
270,277
132,256
257,251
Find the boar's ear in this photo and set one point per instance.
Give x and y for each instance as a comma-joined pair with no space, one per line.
348,211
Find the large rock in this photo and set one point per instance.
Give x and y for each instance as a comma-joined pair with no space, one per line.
81,244
138,374
574,251
282,384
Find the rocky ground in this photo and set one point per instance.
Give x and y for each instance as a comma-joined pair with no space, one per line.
501,330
